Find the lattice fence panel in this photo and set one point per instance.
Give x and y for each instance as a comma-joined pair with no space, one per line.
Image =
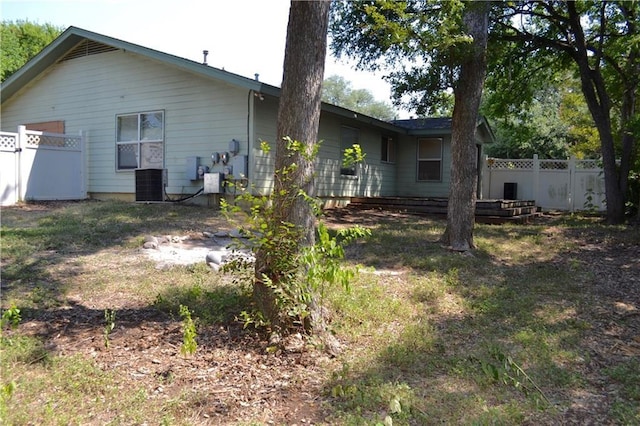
589,165
60,141
502,164
8,142
554,165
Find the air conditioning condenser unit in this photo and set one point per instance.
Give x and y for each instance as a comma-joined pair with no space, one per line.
150,185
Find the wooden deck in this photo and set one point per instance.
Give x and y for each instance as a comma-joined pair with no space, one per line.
487,211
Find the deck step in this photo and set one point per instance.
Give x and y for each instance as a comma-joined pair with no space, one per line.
487,211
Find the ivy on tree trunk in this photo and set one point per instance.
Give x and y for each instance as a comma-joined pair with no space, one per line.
298,119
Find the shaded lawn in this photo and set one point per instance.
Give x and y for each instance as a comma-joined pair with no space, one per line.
538,326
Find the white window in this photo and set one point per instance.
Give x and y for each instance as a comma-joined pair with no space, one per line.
430,160
140,140
388,153
348,137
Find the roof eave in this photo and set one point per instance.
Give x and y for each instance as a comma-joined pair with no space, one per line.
73,35
361,118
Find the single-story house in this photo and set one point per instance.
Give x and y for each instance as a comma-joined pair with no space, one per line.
142,111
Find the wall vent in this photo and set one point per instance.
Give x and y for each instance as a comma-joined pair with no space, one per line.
87,48
150,184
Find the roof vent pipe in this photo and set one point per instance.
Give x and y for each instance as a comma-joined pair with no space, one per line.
257,76
205,53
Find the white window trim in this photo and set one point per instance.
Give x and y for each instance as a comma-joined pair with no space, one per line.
138,141
419,159
391,149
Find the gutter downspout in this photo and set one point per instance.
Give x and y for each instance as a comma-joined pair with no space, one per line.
250,110
251,96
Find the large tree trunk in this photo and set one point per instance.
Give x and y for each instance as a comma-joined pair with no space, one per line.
599,103
468,92
298,119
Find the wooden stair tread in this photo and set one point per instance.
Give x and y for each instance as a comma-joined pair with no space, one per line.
487,211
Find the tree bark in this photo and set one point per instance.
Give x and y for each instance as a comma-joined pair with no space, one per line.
599,103
468,92
298,119
300,100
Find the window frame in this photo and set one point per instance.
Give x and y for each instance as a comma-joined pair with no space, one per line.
344,144
139,140
388,149
438,159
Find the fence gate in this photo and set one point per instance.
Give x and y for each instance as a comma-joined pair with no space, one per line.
38,165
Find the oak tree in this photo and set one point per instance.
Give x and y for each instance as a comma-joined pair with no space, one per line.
427,48
600,42
298,120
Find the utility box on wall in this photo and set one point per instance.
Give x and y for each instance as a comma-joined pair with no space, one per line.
213,183
239,166
191,168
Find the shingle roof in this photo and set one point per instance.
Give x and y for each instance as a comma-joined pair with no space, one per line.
439,123
73,36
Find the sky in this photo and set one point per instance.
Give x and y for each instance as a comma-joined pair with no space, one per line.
242,36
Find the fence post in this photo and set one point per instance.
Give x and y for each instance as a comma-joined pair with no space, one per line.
571,169
486,177
536,177
84,163
21,144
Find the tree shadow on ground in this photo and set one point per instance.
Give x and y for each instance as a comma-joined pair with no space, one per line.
531,341
49,272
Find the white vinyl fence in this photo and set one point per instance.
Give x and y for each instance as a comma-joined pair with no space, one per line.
41,166
553,184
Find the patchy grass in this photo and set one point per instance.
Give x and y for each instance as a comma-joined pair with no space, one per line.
536,327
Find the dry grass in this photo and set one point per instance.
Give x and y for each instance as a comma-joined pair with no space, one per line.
538,326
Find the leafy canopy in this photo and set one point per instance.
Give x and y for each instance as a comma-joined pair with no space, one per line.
336,90
21,41
419,43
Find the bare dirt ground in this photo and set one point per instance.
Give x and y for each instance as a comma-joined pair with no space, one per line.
233,378
614,315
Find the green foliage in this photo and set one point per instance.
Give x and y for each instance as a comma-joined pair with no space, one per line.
541,45
352,156
10,317
295,275
336,90
6,392
22,349
412,319
110,323
189,334
555,123
582,135
21,41
503,369
419,43
626,408
211,304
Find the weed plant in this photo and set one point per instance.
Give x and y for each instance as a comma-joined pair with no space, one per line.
431,336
